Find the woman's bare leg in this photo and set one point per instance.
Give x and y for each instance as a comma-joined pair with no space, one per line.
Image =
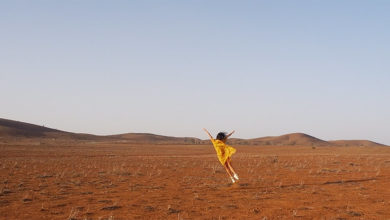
229,172
231,168
229,163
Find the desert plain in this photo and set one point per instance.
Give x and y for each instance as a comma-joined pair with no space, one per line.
107,180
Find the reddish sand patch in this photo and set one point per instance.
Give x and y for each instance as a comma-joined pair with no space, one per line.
113,181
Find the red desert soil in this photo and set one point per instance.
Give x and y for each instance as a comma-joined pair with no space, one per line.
129,181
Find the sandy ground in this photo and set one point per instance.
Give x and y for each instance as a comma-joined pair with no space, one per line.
112,181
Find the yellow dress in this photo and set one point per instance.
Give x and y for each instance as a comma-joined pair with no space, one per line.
223,150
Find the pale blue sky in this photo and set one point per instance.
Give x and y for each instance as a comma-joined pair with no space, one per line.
263,68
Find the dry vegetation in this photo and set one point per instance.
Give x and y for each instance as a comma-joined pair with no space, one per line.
187,182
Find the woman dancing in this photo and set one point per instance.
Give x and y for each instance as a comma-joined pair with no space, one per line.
224,152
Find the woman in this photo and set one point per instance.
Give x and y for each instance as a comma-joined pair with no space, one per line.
224,152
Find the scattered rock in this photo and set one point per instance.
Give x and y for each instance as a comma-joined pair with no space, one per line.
149,208
105,201
114,207
172,211
353,213
6,191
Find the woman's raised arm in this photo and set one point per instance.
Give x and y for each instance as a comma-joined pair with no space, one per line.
230,134
207,132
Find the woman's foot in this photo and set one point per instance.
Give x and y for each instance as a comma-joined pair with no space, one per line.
236,176
232,179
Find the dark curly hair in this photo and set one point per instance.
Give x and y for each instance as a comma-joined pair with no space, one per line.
221,136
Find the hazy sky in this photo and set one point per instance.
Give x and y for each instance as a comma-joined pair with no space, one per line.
263,68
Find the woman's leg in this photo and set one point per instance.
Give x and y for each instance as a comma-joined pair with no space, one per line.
229,172
229,164
231,168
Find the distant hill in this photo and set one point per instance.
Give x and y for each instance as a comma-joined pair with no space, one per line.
365,143
11,130
153,138
17,129
300,139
